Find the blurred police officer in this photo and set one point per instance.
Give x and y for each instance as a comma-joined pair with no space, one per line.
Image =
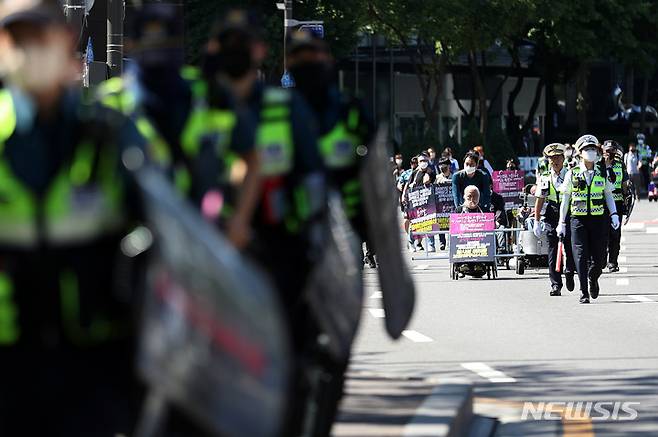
66,364
344,127
613,158
345,133
547,207
195,132
585,192
289,222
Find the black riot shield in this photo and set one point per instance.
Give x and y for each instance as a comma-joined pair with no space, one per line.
334,290
629,200
384,233
213,339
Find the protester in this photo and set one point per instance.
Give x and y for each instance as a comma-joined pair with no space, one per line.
471,175
444,177
398,168
454,164
471,200
433,159
423,175
485,163
511,165
632,163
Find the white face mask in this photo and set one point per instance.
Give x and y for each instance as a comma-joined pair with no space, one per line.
590,155
423,165
37,68
398,161
469,169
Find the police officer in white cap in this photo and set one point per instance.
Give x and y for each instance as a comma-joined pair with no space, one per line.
547,207
585,192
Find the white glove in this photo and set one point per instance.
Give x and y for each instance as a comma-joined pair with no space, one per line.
536,228
561,229
614,222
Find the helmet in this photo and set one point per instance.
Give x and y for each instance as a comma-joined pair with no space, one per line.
301,39
584,141
640,137
157,26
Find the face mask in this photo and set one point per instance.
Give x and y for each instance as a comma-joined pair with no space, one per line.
39,68
590,155
469,169
423,165
24,108
398,161
312,79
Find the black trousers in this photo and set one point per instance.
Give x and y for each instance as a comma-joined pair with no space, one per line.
589,235
614,243
553,246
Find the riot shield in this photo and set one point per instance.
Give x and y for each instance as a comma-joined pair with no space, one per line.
335,288
384,233
213,339
629,200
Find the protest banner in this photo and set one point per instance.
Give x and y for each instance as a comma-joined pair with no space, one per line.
509,184
469,238
422,209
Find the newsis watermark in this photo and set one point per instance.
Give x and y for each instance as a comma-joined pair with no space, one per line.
580,410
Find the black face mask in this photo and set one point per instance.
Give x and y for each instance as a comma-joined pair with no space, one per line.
235,62
312,79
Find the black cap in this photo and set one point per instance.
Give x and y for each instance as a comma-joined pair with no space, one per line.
157,25
304,39
611,144
40,12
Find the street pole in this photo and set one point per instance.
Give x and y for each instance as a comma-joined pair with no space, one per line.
356,70
374,77
287,15
115,12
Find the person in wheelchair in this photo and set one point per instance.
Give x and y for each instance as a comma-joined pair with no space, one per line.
471,205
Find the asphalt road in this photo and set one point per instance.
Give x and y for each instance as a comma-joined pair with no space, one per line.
516,343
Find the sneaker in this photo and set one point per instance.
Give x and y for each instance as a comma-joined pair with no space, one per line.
584,299
593,288
570,282
431,249
555,291
613,268
443,246
370,260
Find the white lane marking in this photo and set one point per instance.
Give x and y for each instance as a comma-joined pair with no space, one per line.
652,230
487,372
422,267
377,313
623,269
376,295
416,336
622,281
623,239
634,226
642,298
621,259
622,248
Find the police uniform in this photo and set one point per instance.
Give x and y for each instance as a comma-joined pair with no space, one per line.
618,176
65,333
194,130
550,184
587,192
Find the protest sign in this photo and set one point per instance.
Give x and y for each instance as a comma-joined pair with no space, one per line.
509,184
469,240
